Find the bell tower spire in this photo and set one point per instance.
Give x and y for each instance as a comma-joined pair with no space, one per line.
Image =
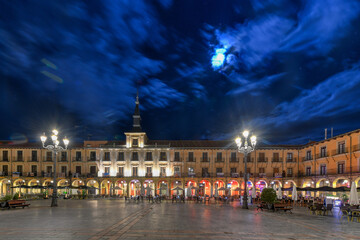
136,116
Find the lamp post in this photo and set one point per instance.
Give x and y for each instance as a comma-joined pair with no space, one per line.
54,148
245,147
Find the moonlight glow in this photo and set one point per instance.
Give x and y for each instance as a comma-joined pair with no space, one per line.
218,59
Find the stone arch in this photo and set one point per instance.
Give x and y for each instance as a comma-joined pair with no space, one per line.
5,187
357,183
177,183
276,182
234,187
323,182
161,190
308,183
205,188
134,187
105,187
261,184
341,182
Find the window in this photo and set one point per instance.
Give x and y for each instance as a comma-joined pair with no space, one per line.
49,169
205,172
308,171
289,172
134,171
121,171
121,156
20,155
78,156
148,156
93,170
177,171
163,171
177,157
341,147
33,168
5,169
261,157
19,168
135,142
308,155
219,157
289,157
218,170
5,156
92,156
63,169
233,157
261,170
191,157
205,157
107,171
48,156
276,157
323,169
135,156
34,156
78,169
63,156
107,156
341,167
323,152
232,170
163,156
148,171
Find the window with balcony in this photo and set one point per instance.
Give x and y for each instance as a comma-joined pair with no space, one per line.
289,157
205,157
341,147
148,171
93,171
92,156
276,157
121,156
177,157
34,169
177,171
323,152
20,156
205,172
107,171
106,156
308,171
162,171
78,156
234,173
5,169
78,170
191,157
34,156
308,155
232,170
134,171
48,156
341,167
63,169
233,157
323,169
261,157
289,172
5,156
63,156
135,142
163,156
120,172
219,172
219,157
135,156
49,169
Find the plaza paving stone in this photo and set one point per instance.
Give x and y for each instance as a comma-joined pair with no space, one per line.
115,219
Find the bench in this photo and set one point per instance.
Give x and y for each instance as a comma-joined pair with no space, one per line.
283,207
17,203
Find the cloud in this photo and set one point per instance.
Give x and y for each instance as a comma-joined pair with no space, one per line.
157,94
337,95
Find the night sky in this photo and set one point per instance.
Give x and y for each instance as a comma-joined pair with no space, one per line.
204,69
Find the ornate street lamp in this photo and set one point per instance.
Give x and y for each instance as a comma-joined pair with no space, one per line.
54,148
245,147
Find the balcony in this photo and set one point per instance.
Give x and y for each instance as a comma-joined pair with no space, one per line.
205,159
163,159
133,159
219,159
340,151
191,159
4,159
289,175
191,174
278,175
148,174
4,173
205,175
32,159
91,159
47,159
177,159
63,159
291,160
77,159
262,159
220,174
148,159
119,175
234,159
248,159
91,175
355,148
177,174
163,175
276,159
18,159
17,174
308,158
235,175
262,175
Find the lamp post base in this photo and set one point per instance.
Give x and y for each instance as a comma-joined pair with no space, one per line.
54,201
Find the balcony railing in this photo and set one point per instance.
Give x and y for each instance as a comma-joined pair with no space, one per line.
191,159
262,159
235,175
162,159
120,159
47,159
307,158
148,159
148,174
289,160
4,159
18,159
340,151
219,159
77,159
205,159
355,148
262,175
191,174
249,159
91,159
220,174
177,174
4,173
205,174
322,155
177,159
119,175
276,159
234,160
32,159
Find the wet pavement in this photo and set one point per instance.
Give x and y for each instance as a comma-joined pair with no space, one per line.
115,219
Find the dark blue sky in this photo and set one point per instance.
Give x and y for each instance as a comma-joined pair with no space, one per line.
286,69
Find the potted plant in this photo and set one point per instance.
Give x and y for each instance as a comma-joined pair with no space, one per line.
268,195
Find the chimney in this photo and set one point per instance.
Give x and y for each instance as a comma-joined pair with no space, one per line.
325,133
332,131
